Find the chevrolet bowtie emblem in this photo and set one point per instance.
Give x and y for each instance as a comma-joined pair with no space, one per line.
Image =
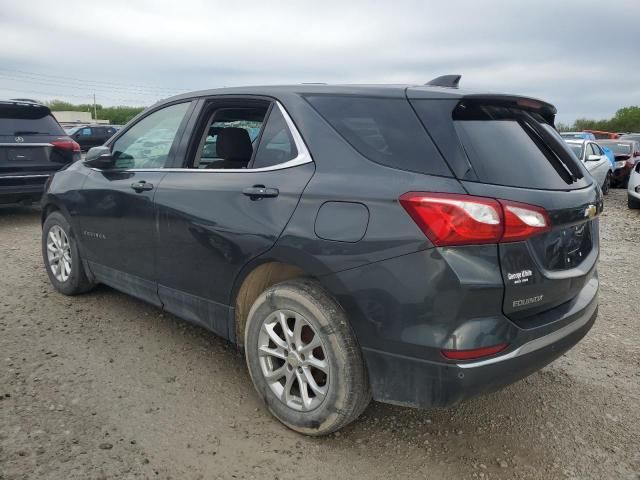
591,211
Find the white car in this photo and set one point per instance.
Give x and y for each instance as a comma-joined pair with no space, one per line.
633,190
599,166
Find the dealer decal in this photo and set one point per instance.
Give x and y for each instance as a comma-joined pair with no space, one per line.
519,277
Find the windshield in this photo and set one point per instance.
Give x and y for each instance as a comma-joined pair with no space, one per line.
618,148
576,149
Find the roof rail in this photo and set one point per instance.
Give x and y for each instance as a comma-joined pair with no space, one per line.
450,81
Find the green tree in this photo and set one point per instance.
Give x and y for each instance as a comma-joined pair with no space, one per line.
626,119
118,115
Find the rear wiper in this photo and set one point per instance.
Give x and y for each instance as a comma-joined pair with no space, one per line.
28,132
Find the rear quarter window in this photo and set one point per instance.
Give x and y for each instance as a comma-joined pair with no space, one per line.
384,130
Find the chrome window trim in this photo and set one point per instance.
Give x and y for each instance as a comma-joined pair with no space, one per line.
26,145
22,176
302,158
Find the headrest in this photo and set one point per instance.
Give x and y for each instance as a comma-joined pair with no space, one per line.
234,144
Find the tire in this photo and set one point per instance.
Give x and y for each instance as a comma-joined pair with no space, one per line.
324,328
633,202
74,280
606,184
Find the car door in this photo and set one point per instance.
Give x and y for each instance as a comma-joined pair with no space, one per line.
598,167
117,217
214,218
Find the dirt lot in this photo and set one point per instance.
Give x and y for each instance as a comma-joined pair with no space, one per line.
105,386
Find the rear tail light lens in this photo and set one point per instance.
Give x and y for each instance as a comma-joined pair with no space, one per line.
474,353
523,221
66,144
454,219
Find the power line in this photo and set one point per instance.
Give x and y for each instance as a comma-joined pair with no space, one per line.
83,86
24,73
87,97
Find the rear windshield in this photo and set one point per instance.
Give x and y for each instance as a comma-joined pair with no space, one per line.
17,120
514,147
385,130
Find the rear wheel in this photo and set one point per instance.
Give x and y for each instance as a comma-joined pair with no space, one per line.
61,256
607,184
303,358
633,202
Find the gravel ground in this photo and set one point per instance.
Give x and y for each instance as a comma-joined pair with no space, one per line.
103,386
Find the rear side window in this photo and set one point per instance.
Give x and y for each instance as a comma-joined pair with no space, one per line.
513,147
385,130
16,120
276,145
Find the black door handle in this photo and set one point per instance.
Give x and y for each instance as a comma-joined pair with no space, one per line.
141,185
260,191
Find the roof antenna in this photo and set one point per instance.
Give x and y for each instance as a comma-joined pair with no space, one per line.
450,81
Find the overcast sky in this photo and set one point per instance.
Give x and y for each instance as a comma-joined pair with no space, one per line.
583,56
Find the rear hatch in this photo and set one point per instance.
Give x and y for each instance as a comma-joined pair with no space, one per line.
32,143
506,148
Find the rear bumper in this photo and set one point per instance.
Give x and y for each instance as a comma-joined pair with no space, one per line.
21,188
404,311
418,383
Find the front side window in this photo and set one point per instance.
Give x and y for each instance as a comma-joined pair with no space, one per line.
147,143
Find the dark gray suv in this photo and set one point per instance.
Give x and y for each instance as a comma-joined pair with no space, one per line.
412,244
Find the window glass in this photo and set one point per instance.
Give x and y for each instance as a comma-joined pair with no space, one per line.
576,148
148,142
17,123
85,132
229,137
276,144
514,147
385,130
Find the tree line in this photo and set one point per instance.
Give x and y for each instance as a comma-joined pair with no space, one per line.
116,115
626,119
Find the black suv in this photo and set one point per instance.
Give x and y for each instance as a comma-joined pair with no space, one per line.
89,136
414,244
32,146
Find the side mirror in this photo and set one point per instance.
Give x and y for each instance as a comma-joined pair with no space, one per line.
99,157
593,158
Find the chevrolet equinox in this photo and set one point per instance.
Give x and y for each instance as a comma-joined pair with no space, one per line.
412,244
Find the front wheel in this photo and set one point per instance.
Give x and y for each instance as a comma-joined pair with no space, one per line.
633,202
303,358
61,256
607,184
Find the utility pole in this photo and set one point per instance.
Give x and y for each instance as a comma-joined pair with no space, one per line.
95,114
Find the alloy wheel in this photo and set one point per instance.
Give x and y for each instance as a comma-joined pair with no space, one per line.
293,360
59,253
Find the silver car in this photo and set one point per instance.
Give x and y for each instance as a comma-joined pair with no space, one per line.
599,166
633,190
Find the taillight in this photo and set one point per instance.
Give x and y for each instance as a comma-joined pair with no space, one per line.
636,154
66,144
473,354
522,221
455,219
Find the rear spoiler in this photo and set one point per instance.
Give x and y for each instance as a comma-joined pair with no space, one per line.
544,109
